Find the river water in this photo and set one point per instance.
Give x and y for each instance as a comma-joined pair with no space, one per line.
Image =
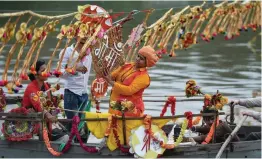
232,67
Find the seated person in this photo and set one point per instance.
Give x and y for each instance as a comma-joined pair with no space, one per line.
31,100
130,80
222,129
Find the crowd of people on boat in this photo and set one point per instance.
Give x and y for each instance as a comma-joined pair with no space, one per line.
128,82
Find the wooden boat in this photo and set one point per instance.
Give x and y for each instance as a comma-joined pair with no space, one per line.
37,148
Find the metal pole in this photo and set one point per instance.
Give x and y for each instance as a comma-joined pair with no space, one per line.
141,118
215,125
232,118
220,152
41,127
119,118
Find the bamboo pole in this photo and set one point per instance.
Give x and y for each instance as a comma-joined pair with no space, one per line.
141,118
98,119
36,14
11,99
220,152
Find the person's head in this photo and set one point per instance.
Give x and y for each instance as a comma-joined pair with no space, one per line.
140,61
39,67
209,119
146,57
82,41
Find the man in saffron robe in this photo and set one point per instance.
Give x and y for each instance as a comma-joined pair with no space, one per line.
130,80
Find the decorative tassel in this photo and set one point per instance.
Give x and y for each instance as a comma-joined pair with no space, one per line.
58,68
74,131
4,34
86,45
170,101
9,32
23,72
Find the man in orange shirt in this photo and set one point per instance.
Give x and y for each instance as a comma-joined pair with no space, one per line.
130,80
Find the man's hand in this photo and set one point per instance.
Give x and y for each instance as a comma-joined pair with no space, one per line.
248,113
232,103
50,117
107,77
109,80
81,69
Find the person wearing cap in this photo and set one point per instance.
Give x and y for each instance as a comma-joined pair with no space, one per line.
130,80
222,129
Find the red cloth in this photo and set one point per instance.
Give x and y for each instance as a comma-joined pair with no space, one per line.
31,99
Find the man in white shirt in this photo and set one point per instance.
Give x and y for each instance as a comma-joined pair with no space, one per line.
75,94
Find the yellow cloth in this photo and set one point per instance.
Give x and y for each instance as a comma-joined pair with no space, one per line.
139,83
98,128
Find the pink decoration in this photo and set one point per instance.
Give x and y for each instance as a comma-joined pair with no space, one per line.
74,131
3,83
101,33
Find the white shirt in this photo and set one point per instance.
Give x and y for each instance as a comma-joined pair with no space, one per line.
75,83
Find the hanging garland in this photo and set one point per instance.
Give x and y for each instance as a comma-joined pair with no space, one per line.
74,131
23,37
47,143
189,117
211,132
170,101
93,22
8,32
69,31
46,29
2,100
197,120
112,126
170,144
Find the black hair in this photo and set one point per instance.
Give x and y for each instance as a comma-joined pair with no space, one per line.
209,110
38,64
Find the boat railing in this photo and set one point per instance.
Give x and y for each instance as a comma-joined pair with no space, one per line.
38,117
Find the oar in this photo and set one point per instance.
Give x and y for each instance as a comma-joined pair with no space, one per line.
220,152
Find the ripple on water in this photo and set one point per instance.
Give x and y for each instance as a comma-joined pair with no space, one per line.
250,74
52,49
194,53
237,45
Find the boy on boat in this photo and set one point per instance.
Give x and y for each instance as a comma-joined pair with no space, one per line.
222,129
31,100
130,80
